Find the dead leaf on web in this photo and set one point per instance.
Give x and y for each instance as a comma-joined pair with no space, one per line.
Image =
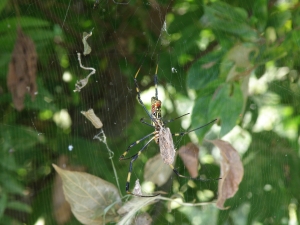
157,171
137,190
83,82
21,77
61,208
143,219
90,197
91,116
87,49
189,155
232,172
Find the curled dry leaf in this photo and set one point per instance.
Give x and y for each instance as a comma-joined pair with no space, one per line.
87,49
232,172
91,116
189,156
61,208
83,82
89,197
21,77
157,171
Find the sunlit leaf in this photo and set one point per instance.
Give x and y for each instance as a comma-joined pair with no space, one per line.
239,59
89,196
227,104
204,71
189,155
224,17
157,171
278,19
232,172
201,115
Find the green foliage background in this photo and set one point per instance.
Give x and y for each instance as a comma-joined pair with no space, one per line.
215,46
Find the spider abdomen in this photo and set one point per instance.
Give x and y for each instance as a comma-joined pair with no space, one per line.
166,145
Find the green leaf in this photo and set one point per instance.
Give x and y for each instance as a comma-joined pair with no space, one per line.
10,24
8,161
260,12
237,63
10,184
19,138
3,3
270,54
3,202
19,206
223,17
204,71
227,104
43,99
201,116
188,19
277,19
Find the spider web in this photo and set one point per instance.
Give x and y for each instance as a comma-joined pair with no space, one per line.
125,37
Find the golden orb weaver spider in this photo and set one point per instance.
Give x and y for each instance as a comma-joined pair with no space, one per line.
162,135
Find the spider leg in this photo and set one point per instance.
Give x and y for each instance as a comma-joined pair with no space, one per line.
133,158
122,157
142,120
172,167
155,81
191,178
189,131
139,95
171,120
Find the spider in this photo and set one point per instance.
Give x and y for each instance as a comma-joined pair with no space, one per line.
161,135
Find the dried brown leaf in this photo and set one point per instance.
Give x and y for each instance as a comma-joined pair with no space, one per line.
61,208
90,197
21,77
189,156
91,116
87,49
232,172
157,171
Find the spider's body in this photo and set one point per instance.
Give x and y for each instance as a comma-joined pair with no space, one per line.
161,135
157,122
